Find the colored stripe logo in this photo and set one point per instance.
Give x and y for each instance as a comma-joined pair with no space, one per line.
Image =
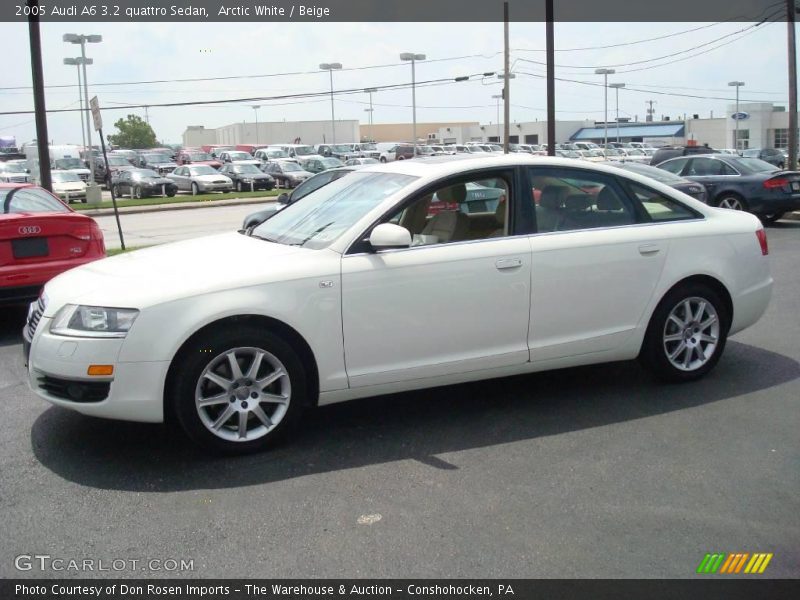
734,563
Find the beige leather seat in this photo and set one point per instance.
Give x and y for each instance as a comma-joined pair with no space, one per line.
449,225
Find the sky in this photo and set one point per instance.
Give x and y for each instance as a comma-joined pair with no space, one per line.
707,58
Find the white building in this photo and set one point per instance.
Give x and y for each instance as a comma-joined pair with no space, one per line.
279,132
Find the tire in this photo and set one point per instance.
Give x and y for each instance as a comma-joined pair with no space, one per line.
115,191
770,218
281,405
731,201
195,189
383,159
675,352
171,193
137,192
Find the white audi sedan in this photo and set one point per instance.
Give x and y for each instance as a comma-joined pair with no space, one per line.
389,280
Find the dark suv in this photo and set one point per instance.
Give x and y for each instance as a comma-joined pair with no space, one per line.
667,152
770,155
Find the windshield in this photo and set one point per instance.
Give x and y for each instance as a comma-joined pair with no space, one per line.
69,163
290,166
748,166
369,147
342,148
474,149
635,152
157,158
203,170
118,161
331,162
142,173
239,156
614,152
64,176
200,156
246,169
9,168
304,150
277,154
331,210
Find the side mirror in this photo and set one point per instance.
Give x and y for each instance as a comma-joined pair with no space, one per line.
388,236
283,198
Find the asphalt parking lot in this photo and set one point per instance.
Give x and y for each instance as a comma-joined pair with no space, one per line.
588,472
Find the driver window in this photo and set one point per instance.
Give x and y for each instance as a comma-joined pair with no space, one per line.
456,212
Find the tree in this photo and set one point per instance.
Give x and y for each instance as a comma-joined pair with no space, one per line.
133,133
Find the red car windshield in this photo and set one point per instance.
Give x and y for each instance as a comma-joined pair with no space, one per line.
29,200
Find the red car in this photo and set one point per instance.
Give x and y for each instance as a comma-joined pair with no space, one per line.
40,237
197,157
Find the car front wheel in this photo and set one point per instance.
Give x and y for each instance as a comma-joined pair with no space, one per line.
137,192
239,390
687,334
195,189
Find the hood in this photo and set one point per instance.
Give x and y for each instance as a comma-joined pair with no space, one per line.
212,178
152,180
181,270
247,161
162,165
69,185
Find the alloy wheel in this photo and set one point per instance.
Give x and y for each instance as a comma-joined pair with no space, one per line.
731,202
691,333
243,394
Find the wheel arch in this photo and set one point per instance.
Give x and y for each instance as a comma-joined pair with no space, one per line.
712,282
288,333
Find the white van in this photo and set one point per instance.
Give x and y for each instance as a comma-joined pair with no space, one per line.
387,150
65,157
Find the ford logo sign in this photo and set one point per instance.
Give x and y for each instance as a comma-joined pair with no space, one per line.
30,230
740,116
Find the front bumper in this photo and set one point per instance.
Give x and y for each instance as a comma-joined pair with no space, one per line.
214,187
135,392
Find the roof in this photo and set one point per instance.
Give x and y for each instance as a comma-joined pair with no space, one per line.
649,130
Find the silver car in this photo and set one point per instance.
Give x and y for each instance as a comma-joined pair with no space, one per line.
200,178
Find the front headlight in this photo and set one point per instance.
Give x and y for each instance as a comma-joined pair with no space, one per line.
93,321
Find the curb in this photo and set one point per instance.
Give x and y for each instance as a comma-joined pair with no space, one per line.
132,210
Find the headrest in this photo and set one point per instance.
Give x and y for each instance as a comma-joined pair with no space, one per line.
455,193
551,197
577,202
607,200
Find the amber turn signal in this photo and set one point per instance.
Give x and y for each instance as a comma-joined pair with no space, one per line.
100,370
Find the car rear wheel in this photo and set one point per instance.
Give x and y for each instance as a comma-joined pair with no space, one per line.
137,192
239,390
171,193
732,202
383,159
770,218
686,335
195,189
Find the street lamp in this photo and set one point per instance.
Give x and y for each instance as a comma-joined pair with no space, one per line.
330,68
617,86
498,97
737,85
74,38
255,108
605,73
77,62
370,110
411,56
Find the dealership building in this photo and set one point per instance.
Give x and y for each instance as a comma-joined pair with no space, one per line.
760,125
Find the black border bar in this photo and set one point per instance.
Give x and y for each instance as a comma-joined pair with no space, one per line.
442,11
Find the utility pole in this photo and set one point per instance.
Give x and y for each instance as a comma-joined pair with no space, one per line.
146,115
39,106
551,79
790,25
506,86
650,111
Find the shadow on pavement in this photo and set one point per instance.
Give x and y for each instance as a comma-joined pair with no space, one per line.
12,320
416,425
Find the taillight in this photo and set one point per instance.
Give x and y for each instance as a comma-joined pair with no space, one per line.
83,233
776,182
762,241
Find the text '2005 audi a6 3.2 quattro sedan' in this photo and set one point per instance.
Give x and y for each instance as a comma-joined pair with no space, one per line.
362,289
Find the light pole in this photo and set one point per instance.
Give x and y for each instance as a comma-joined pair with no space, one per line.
498,97
506,78
77,63
330,68
617,86
737,85
255,109
410,56
370,110
605,73
74,38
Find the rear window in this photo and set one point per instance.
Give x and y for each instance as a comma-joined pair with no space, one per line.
29,200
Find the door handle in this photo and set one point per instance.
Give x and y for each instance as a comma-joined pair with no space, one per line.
649,249
508,263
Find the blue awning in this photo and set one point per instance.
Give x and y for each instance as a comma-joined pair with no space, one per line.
628,131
